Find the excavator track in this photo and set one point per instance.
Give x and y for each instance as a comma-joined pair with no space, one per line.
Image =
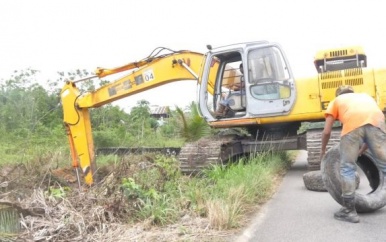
196,156
204,153
314,144
211,151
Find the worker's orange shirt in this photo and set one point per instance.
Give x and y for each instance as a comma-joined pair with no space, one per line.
354,110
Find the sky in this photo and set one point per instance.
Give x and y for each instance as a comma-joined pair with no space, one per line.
52,36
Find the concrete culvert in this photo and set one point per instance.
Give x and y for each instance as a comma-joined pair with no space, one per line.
369,202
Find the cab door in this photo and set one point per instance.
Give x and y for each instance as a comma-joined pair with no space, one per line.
271,84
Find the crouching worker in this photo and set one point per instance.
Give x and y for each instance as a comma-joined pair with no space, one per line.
363,127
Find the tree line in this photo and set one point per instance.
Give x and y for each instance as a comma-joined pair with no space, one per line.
32,109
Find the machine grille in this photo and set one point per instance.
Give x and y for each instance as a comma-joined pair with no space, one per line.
338,53
334,79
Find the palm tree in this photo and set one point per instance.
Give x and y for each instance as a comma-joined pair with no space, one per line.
194,126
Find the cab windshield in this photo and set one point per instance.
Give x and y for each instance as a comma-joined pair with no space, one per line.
268,74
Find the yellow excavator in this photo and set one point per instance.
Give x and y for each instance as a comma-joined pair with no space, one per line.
268,101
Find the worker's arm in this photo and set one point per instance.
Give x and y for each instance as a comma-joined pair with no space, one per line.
326,134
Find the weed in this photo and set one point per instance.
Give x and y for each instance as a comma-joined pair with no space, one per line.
57,192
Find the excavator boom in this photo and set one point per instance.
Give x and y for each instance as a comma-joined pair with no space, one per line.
144,75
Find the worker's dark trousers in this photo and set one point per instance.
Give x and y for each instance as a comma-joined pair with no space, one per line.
350,144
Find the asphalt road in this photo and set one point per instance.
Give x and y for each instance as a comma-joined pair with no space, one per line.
297,214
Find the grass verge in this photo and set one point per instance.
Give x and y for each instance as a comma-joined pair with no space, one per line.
146,189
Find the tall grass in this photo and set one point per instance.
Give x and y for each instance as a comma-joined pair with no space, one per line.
22,150
234,189
222,194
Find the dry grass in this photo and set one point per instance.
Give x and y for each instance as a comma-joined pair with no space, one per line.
99,213
103,213
225,214
80,219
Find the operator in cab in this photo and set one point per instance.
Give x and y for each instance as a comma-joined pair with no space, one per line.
224,110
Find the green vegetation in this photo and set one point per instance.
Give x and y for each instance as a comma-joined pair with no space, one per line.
231,191
143,188
223,194
31,120
9,222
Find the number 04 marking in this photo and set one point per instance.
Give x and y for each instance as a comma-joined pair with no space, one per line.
149,75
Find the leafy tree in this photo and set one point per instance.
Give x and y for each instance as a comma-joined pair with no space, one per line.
108,117
140,120
31,110
110,125
171,126
25,106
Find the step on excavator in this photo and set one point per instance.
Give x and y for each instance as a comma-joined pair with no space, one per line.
255,83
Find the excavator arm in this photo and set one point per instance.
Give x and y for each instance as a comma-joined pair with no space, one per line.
143,75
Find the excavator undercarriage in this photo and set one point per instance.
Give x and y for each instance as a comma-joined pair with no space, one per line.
222,149
202,154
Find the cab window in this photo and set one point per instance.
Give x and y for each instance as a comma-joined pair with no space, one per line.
270,91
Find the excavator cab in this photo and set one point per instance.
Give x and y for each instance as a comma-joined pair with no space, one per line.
264,86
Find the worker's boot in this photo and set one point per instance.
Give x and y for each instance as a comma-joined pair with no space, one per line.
221,111
348,212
